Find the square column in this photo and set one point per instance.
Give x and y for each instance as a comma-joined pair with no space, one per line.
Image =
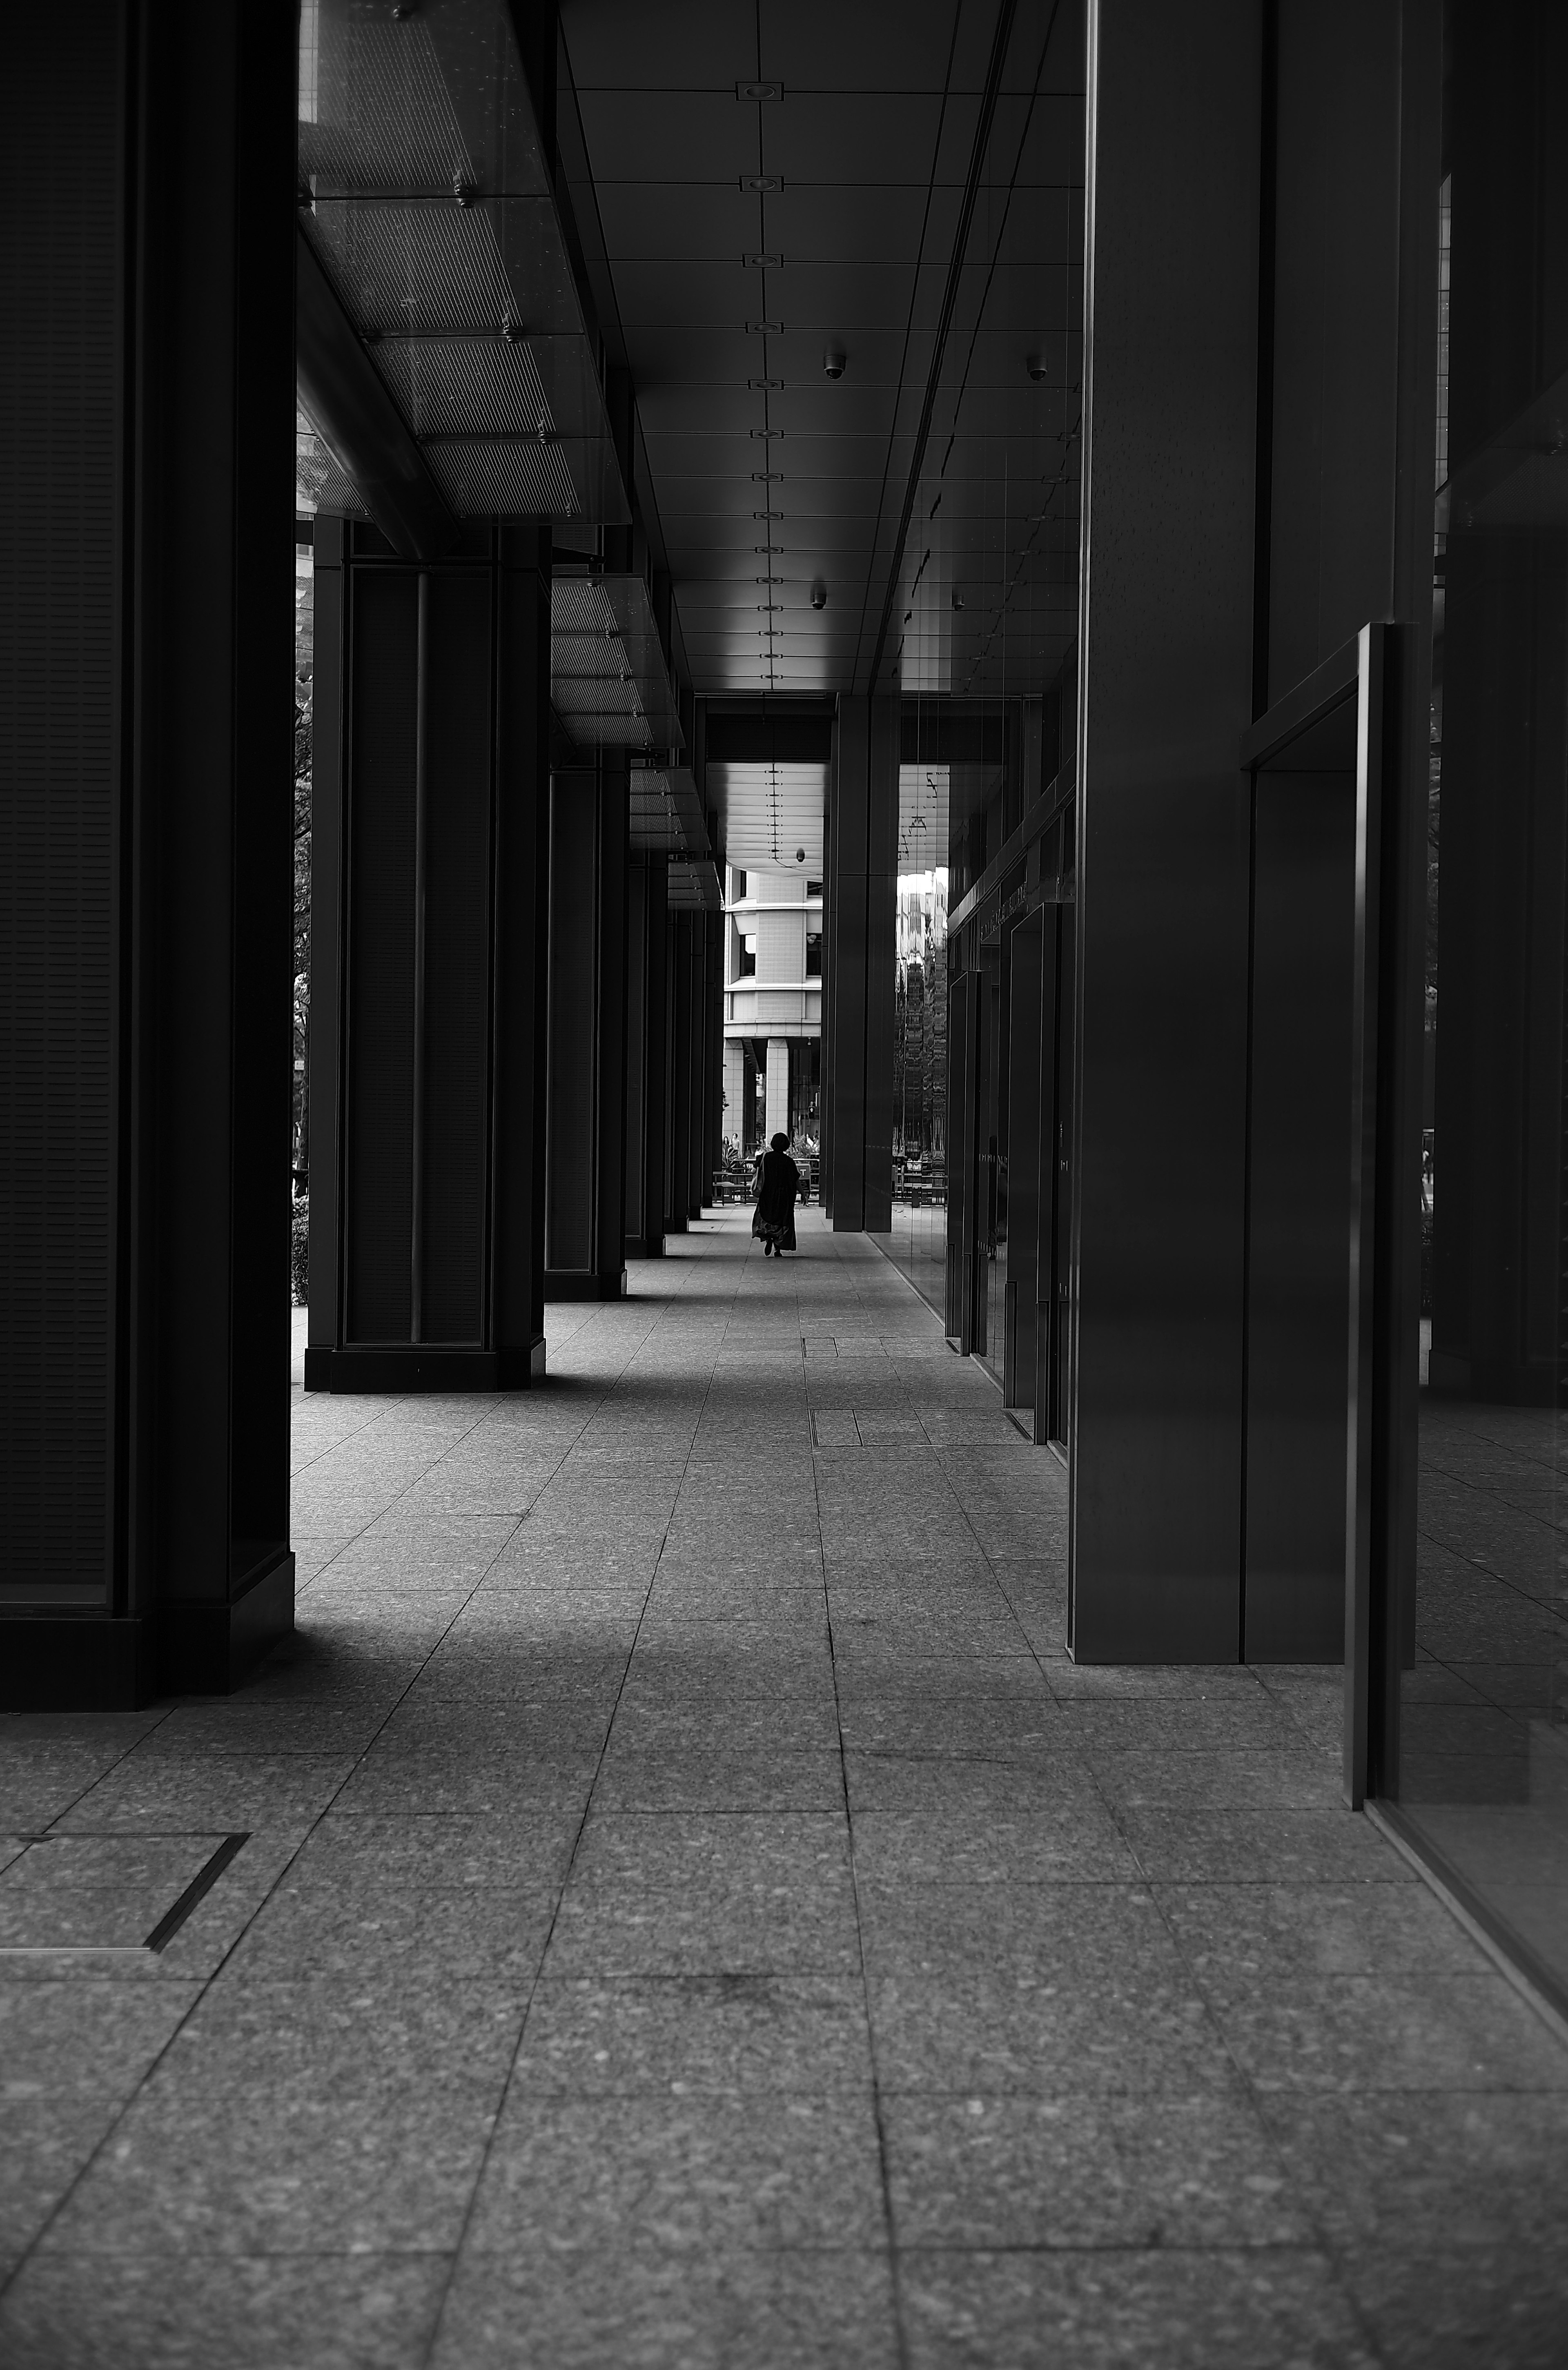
1165,691
585,1151
734,1092
859,932
146,443
647,1037
429,939
778,1087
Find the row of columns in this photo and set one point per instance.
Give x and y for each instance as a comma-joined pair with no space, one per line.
512,1035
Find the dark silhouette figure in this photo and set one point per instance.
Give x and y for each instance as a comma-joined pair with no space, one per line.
773,1220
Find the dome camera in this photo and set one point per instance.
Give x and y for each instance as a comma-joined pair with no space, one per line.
1035,365
833,363
800,856
819,594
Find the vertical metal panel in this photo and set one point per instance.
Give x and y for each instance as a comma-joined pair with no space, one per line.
1298,1201
1337,271
519,936
638,1099
657,1023
881,958
1368,1414
328,949
845,924
1025,967
60,426
378,1182
1165,691
454,1107
422,838
679,1172
1047,1107
573,1140
610,1053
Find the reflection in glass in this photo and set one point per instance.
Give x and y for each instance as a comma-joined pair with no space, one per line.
1483,1769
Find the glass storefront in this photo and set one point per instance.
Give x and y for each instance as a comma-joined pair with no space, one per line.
1480,1763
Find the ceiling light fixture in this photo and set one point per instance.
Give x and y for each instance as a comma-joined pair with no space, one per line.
763,262
759,90
763,329
761,185
765,385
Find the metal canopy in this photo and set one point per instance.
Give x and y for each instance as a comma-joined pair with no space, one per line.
694,888
666,812
426,199
609,686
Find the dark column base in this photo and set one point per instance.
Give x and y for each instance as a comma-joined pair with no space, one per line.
573,1283
638,1248
414,1368
70,1663
206,1650
94,1663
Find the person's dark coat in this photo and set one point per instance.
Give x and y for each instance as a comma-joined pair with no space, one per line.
773,1220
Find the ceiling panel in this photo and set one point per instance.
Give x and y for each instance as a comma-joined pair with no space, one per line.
864,222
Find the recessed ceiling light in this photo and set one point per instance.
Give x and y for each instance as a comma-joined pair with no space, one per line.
762,386
768,476
763,262
762,185
759,90
767,432
764,329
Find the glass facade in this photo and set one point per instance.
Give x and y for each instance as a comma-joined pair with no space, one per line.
1481,1759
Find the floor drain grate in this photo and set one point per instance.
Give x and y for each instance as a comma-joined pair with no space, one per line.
62,1889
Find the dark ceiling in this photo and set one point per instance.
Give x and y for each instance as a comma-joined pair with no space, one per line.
890,130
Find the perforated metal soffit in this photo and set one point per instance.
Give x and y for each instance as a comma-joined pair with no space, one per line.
425,197
608,683
781,185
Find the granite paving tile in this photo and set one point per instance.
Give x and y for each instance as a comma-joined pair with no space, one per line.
653,2308
275,2172
176,2311
1202,2310
702,2171
675,2035
1145,2172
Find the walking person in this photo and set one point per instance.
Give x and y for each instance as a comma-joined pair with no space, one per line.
773,1221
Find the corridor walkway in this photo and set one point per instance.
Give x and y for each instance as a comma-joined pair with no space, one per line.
692,1914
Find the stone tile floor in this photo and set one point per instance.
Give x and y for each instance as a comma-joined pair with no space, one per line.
693,1913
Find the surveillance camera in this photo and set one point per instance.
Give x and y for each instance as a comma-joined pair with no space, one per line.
800,856
1035,365
957,598
819,594
833,363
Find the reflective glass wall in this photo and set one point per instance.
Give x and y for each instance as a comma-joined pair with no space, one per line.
1483,1714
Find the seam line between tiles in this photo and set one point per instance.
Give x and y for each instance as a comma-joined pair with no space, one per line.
901,2338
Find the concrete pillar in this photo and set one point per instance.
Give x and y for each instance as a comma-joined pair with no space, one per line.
647,1031
735,1091
858,923
146,441
778,1087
